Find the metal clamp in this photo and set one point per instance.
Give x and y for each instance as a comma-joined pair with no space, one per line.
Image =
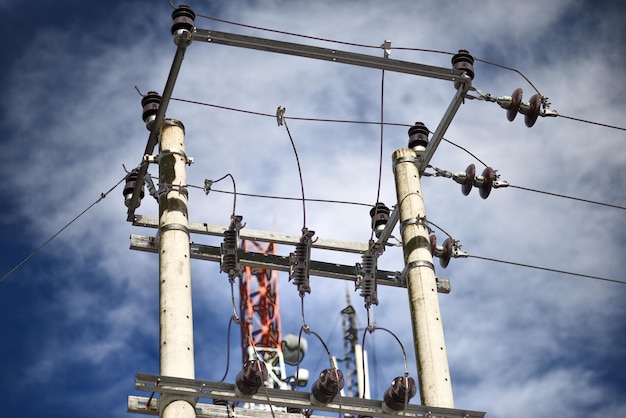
405,159
411,265
413,221
154,159
165,188
419,263
173,227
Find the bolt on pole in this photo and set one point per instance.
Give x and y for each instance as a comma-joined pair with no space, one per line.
175,307
430,348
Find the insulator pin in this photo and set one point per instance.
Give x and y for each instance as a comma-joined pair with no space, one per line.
250,378
183,19
326,387
129,188
463,61
380,217
150,103
418,137
400,392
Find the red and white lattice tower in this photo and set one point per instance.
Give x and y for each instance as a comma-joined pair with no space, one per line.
260,308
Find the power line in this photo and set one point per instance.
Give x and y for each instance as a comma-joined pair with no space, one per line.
592,122
280,117
466,150
541,191
586,276
568,197
251,112
262,196
435,51
473,256
31,255
382,138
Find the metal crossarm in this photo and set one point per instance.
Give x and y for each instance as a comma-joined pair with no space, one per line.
282,263
203,389
327,54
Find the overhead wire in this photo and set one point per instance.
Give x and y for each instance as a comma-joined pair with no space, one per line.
281,121
251,112
591,122
382,139
234,190
568,197
381,123
513,263
540,191
36,250
344,202
438,227
427,50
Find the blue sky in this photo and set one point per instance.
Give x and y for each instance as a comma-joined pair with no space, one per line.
79,319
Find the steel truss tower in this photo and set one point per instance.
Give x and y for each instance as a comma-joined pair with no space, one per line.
259,303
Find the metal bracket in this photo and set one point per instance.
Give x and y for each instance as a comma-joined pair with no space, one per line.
282,398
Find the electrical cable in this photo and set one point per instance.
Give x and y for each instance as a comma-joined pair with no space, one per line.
371,330
510,69
568,197
591,122
281,121
32,254
586,276
230,323
579,199
466,150
256,354
441,229
382,136
262,196
234,190
359,45
341,202
305,119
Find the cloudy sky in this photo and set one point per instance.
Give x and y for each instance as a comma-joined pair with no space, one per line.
80,318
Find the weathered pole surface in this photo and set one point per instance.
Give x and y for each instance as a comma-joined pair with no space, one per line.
430,347
175,306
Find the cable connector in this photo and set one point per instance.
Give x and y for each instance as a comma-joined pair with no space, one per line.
229,260
299,262
280,115
151,188
386,46
366,277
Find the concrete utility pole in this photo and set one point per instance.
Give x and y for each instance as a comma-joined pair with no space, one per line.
430,346
175,311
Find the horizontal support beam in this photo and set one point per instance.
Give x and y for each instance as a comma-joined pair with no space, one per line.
285,398
333,55
281,263
259,235
146,406
270,261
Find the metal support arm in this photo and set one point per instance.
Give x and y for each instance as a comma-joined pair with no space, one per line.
278,398
333,55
